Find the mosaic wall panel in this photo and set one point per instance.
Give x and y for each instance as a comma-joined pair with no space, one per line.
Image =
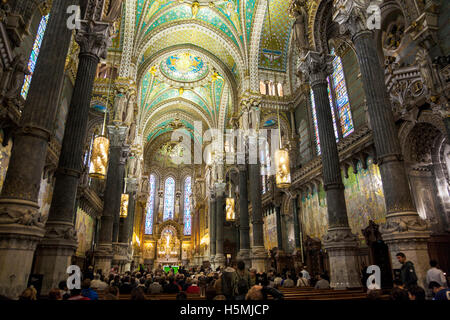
5,154
270,231
364,197
45,198
314,213
85,232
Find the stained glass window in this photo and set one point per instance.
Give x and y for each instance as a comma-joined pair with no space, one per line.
150,206
342,102
314,115
187,206
339,100
34,55
169,199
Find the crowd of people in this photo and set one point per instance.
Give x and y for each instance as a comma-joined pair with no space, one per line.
234,282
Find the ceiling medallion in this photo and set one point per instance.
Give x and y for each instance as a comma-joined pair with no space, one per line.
184,67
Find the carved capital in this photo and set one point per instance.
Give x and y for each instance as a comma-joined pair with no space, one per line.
117,135
316,67
94,38
220,189
352,15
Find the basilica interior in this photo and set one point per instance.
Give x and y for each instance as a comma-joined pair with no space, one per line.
128,130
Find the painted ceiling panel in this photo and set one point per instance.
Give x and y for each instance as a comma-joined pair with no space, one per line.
274,46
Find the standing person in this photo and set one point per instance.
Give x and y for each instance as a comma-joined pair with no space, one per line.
241,280
305,273
202,281
436,275
228,281
407,272
89,274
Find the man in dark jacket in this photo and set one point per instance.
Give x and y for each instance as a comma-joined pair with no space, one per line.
407,272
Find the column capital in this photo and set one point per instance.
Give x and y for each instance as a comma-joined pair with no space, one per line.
117,135
132,185
220,189
94,38
352,15
316,67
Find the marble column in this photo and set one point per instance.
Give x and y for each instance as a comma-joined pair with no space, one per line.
258,254
212,228
244,226
126,228
404,230
298,251
59,244
21,227
220,220
339,241
126,225
279,232
113,191
119,188
281,254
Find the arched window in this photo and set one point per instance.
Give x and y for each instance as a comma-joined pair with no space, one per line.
169,198
280,89
339,104
187,206
34,55
262,87
265,164
150,206
341,97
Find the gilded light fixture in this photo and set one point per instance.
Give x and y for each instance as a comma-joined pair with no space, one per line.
99,158
124,205
282,166
100,147
124,199
230,213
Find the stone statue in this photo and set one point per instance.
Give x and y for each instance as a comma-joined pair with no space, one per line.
426,69
300,25
132,133
115,9
138,168
132,163
129,117
19,69
255,114
119,105
245,124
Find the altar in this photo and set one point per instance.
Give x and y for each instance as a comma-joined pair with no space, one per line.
168,247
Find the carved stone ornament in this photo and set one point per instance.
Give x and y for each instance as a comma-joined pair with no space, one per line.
94,38
316,67
61,231
351,15
404,224
26,215
339,235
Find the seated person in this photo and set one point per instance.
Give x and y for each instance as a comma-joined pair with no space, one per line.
322,283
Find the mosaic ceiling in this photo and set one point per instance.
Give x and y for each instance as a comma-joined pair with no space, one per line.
184,67
202,77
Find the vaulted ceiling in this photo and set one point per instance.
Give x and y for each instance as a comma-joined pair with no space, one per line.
194,58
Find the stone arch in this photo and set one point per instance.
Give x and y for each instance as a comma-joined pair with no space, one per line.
426,148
